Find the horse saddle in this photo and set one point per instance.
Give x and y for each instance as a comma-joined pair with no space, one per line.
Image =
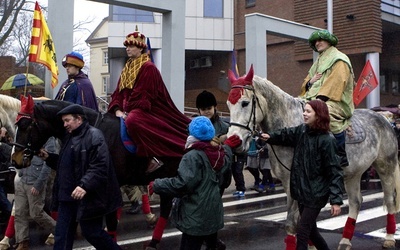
126,139
355,133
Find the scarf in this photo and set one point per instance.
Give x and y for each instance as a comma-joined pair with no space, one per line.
215,154
131,70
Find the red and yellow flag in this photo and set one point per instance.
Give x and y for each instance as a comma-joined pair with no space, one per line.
365,84
42,47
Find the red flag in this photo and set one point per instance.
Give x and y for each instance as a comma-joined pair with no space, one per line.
42,47
365,84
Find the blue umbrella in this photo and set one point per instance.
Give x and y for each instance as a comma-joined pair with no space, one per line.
19,80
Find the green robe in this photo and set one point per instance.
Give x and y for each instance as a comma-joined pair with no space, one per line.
337,83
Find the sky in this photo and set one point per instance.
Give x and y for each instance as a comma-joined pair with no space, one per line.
86,10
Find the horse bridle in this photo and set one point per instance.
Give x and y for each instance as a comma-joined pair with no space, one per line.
254,102
28,151
253,131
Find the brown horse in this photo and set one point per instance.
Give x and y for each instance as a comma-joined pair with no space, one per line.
34,130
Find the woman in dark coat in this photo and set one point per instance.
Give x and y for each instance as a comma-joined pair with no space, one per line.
316,176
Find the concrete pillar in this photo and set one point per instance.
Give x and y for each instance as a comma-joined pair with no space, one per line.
61,24
373,99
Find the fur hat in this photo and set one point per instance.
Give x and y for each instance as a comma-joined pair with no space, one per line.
136,38
73,58
324,35
202,128
205,99
72,109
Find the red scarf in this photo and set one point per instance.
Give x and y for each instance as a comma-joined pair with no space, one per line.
215,154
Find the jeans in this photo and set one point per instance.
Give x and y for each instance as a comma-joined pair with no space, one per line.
92,229
307,229
237,172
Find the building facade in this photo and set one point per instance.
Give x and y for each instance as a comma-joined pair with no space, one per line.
362,28
208,45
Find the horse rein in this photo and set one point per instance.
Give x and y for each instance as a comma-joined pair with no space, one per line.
253,131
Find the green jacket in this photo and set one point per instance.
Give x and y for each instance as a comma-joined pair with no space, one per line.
316,175
197,185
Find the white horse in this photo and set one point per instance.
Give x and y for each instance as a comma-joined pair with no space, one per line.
9,108
256,101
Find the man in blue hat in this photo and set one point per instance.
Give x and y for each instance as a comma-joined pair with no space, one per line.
77,88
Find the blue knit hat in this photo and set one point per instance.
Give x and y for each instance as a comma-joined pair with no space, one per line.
202,128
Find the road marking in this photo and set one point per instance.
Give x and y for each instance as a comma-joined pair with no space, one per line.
381,233
282,216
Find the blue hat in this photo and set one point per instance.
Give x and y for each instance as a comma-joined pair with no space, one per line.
202,128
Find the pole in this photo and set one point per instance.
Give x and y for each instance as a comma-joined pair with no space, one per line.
330,15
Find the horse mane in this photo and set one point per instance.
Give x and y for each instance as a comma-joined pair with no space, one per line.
9,103
273,100
9,108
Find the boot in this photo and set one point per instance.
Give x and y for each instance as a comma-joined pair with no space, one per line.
341,148
24,245
153,165
135,208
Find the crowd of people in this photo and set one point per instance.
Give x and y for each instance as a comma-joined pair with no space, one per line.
85,189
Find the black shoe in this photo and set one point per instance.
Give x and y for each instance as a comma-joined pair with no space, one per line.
134,209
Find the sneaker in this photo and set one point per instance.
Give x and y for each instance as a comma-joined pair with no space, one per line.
135,208
271,187
238,194
261,188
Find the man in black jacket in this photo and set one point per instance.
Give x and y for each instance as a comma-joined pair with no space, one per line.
86,187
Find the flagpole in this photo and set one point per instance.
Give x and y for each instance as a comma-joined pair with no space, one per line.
26,77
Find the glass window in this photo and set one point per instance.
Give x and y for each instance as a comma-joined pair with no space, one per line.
125,14
105,57
250,3
213,8
105,84
382,84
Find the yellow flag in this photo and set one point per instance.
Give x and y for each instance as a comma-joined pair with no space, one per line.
42,47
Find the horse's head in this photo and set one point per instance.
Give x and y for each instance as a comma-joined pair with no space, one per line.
244,107
31,134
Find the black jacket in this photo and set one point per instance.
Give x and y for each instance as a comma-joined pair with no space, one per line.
92,170
315,176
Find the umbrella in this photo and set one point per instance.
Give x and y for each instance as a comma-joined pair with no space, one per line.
18,80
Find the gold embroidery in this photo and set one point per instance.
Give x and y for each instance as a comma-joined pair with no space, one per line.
131,70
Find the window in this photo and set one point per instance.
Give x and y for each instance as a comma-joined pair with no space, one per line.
250,3
395,84
213,8
105,57
125,14
382,84
104,84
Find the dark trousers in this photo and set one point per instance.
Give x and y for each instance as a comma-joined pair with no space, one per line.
92,229
237,172
307,229
190,242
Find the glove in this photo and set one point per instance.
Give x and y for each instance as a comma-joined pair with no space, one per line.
233,141
150,188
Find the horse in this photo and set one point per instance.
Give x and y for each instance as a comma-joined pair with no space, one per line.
9,107
34,130
256,101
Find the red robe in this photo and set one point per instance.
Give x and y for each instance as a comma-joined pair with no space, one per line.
154,123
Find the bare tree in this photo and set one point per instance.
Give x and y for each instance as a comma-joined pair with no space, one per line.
9,10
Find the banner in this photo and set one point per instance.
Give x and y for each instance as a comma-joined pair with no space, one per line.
234,69
149,50
42,48
365,84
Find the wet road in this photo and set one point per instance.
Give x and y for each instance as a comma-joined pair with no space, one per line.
253,222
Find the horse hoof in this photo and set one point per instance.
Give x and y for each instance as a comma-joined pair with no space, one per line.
4,246
344,247
151,219
389,244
